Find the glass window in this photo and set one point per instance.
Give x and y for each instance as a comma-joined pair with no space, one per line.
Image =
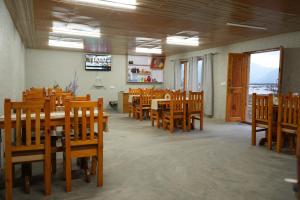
199,78
182,76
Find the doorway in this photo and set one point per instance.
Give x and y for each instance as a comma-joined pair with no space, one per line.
264,76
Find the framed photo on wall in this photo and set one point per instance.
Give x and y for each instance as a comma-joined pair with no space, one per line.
158,62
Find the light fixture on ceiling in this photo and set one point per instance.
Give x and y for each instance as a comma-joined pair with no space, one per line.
126,4
66,42
183,40
75,29
148,50
246,26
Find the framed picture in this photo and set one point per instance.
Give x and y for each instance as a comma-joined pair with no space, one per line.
158,62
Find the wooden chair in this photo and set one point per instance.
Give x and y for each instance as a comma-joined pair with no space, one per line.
177,111
144,105
195,109
132,104
155,114
31,142
83,143
288,118
262,117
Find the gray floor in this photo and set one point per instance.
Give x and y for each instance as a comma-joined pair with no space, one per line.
142,162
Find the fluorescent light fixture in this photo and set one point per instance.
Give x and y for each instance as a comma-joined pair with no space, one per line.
126,4
148,50
66,43
75,29
183,40
246,26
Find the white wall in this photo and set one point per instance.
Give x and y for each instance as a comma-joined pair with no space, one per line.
45,67
12,63
220,61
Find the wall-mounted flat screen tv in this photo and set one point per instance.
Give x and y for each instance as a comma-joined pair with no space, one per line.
98,62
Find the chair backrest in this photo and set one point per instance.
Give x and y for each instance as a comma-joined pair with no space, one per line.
262,108
134,91
159,94
195,104
81,98
50,90
288,110
36,94
32,122
177,102
61,96
145,98
57,99
81,116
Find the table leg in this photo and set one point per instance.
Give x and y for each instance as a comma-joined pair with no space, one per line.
53,155
26,175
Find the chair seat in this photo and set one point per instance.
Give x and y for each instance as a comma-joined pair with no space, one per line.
260,125
176,115
144,108
287,130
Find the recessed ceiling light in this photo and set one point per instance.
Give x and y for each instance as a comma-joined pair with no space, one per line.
127,4
246,26
75,29
148,50
183,40
66,43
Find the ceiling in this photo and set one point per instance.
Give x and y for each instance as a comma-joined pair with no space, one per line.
156,19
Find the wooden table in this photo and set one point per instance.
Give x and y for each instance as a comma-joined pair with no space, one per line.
56,119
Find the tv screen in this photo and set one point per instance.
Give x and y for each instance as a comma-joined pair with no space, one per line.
98,62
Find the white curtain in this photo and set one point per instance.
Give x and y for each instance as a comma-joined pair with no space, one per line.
177,74
207,84
169,74
193,74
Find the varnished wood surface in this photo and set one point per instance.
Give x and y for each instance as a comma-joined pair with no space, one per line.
156,19
237,82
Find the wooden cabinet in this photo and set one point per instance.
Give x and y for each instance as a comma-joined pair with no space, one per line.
123,106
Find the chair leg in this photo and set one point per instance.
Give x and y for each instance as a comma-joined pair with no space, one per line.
151,118
94,166
201,122
190,123
172,125
157,121
279,138
47,175
85,168
100,167
68,174
253,134
8,179
164,123
141,115
270,138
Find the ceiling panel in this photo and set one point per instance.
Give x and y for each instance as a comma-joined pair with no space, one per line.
156,19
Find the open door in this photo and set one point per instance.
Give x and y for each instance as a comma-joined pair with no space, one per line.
237,81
